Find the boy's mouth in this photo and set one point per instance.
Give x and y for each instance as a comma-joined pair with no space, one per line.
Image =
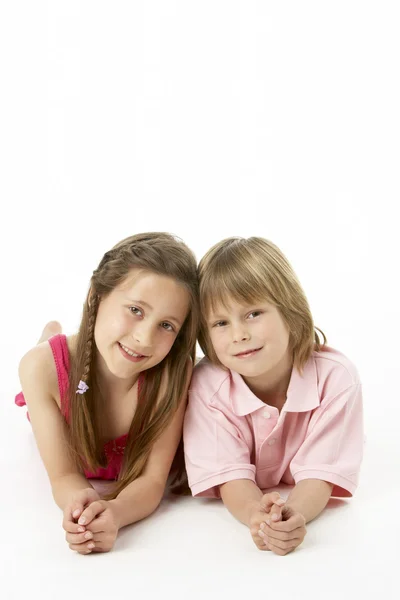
247,353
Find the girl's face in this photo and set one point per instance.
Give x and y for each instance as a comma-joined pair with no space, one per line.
252,340
138,322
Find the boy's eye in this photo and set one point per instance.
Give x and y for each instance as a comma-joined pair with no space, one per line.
167,326
254,314
219,324
135,310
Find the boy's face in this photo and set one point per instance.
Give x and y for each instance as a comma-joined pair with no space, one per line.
249,339
138,322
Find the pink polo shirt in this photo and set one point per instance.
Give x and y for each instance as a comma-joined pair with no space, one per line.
230,434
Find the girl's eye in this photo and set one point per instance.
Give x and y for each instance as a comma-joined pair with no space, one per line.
135,311
167,326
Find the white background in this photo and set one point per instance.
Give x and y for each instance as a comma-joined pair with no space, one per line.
205,119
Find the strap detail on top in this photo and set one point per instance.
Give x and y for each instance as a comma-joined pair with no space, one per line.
59,347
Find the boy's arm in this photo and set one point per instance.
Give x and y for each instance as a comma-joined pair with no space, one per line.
248,504
309,497
242,498
306,501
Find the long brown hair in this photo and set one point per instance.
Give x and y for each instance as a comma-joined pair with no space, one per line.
163,254
255,270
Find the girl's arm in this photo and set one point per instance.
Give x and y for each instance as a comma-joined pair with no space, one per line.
309,497
38,378
141,497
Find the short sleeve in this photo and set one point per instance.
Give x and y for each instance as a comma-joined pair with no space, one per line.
215,449
333,448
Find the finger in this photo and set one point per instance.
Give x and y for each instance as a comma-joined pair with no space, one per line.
257,539
76,509
257,522
83,548
268,500
280,551
266,534
103,543
283,544
82,499
284,536
295,522
79,538
96,526
72,527
267,540
261,538
259,542
69,521
257,518
275,514
94,509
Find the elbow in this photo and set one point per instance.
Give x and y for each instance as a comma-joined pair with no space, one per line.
155,493
157,489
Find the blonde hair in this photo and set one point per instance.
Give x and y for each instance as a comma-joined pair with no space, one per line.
255,270
159,253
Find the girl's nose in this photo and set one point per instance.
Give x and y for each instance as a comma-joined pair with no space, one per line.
143,335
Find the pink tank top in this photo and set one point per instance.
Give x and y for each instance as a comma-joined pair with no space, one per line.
114,449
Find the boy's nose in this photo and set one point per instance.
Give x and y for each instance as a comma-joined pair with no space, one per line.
240,334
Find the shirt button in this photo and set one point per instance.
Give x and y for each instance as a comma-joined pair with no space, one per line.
266,414
271,442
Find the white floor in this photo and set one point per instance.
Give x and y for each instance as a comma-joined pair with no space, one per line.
206,119
193,548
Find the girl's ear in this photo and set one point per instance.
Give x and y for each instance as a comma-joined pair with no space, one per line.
90,296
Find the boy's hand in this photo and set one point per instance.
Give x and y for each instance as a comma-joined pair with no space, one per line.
285,535
270,507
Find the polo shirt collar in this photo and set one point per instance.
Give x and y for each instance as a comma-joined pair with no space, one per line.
302,394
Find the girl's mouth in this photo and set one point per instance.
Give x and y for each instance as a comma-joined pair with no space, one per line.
131,354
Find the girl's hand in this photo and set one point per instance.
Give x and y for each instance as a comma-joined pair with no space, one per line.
270,507
101,521
73,510
284,536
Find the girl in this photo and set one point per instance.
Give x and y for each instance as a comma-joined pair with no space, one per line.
109,402
270,402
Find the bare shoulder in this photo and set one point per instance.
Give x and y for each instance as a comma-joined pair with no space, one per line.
71,343
37,368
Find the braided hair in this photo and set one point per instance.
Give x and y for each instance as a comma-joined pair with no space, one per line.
163,254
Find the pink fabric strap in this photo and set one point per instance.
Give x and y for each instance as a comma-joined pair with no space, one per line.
59,347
